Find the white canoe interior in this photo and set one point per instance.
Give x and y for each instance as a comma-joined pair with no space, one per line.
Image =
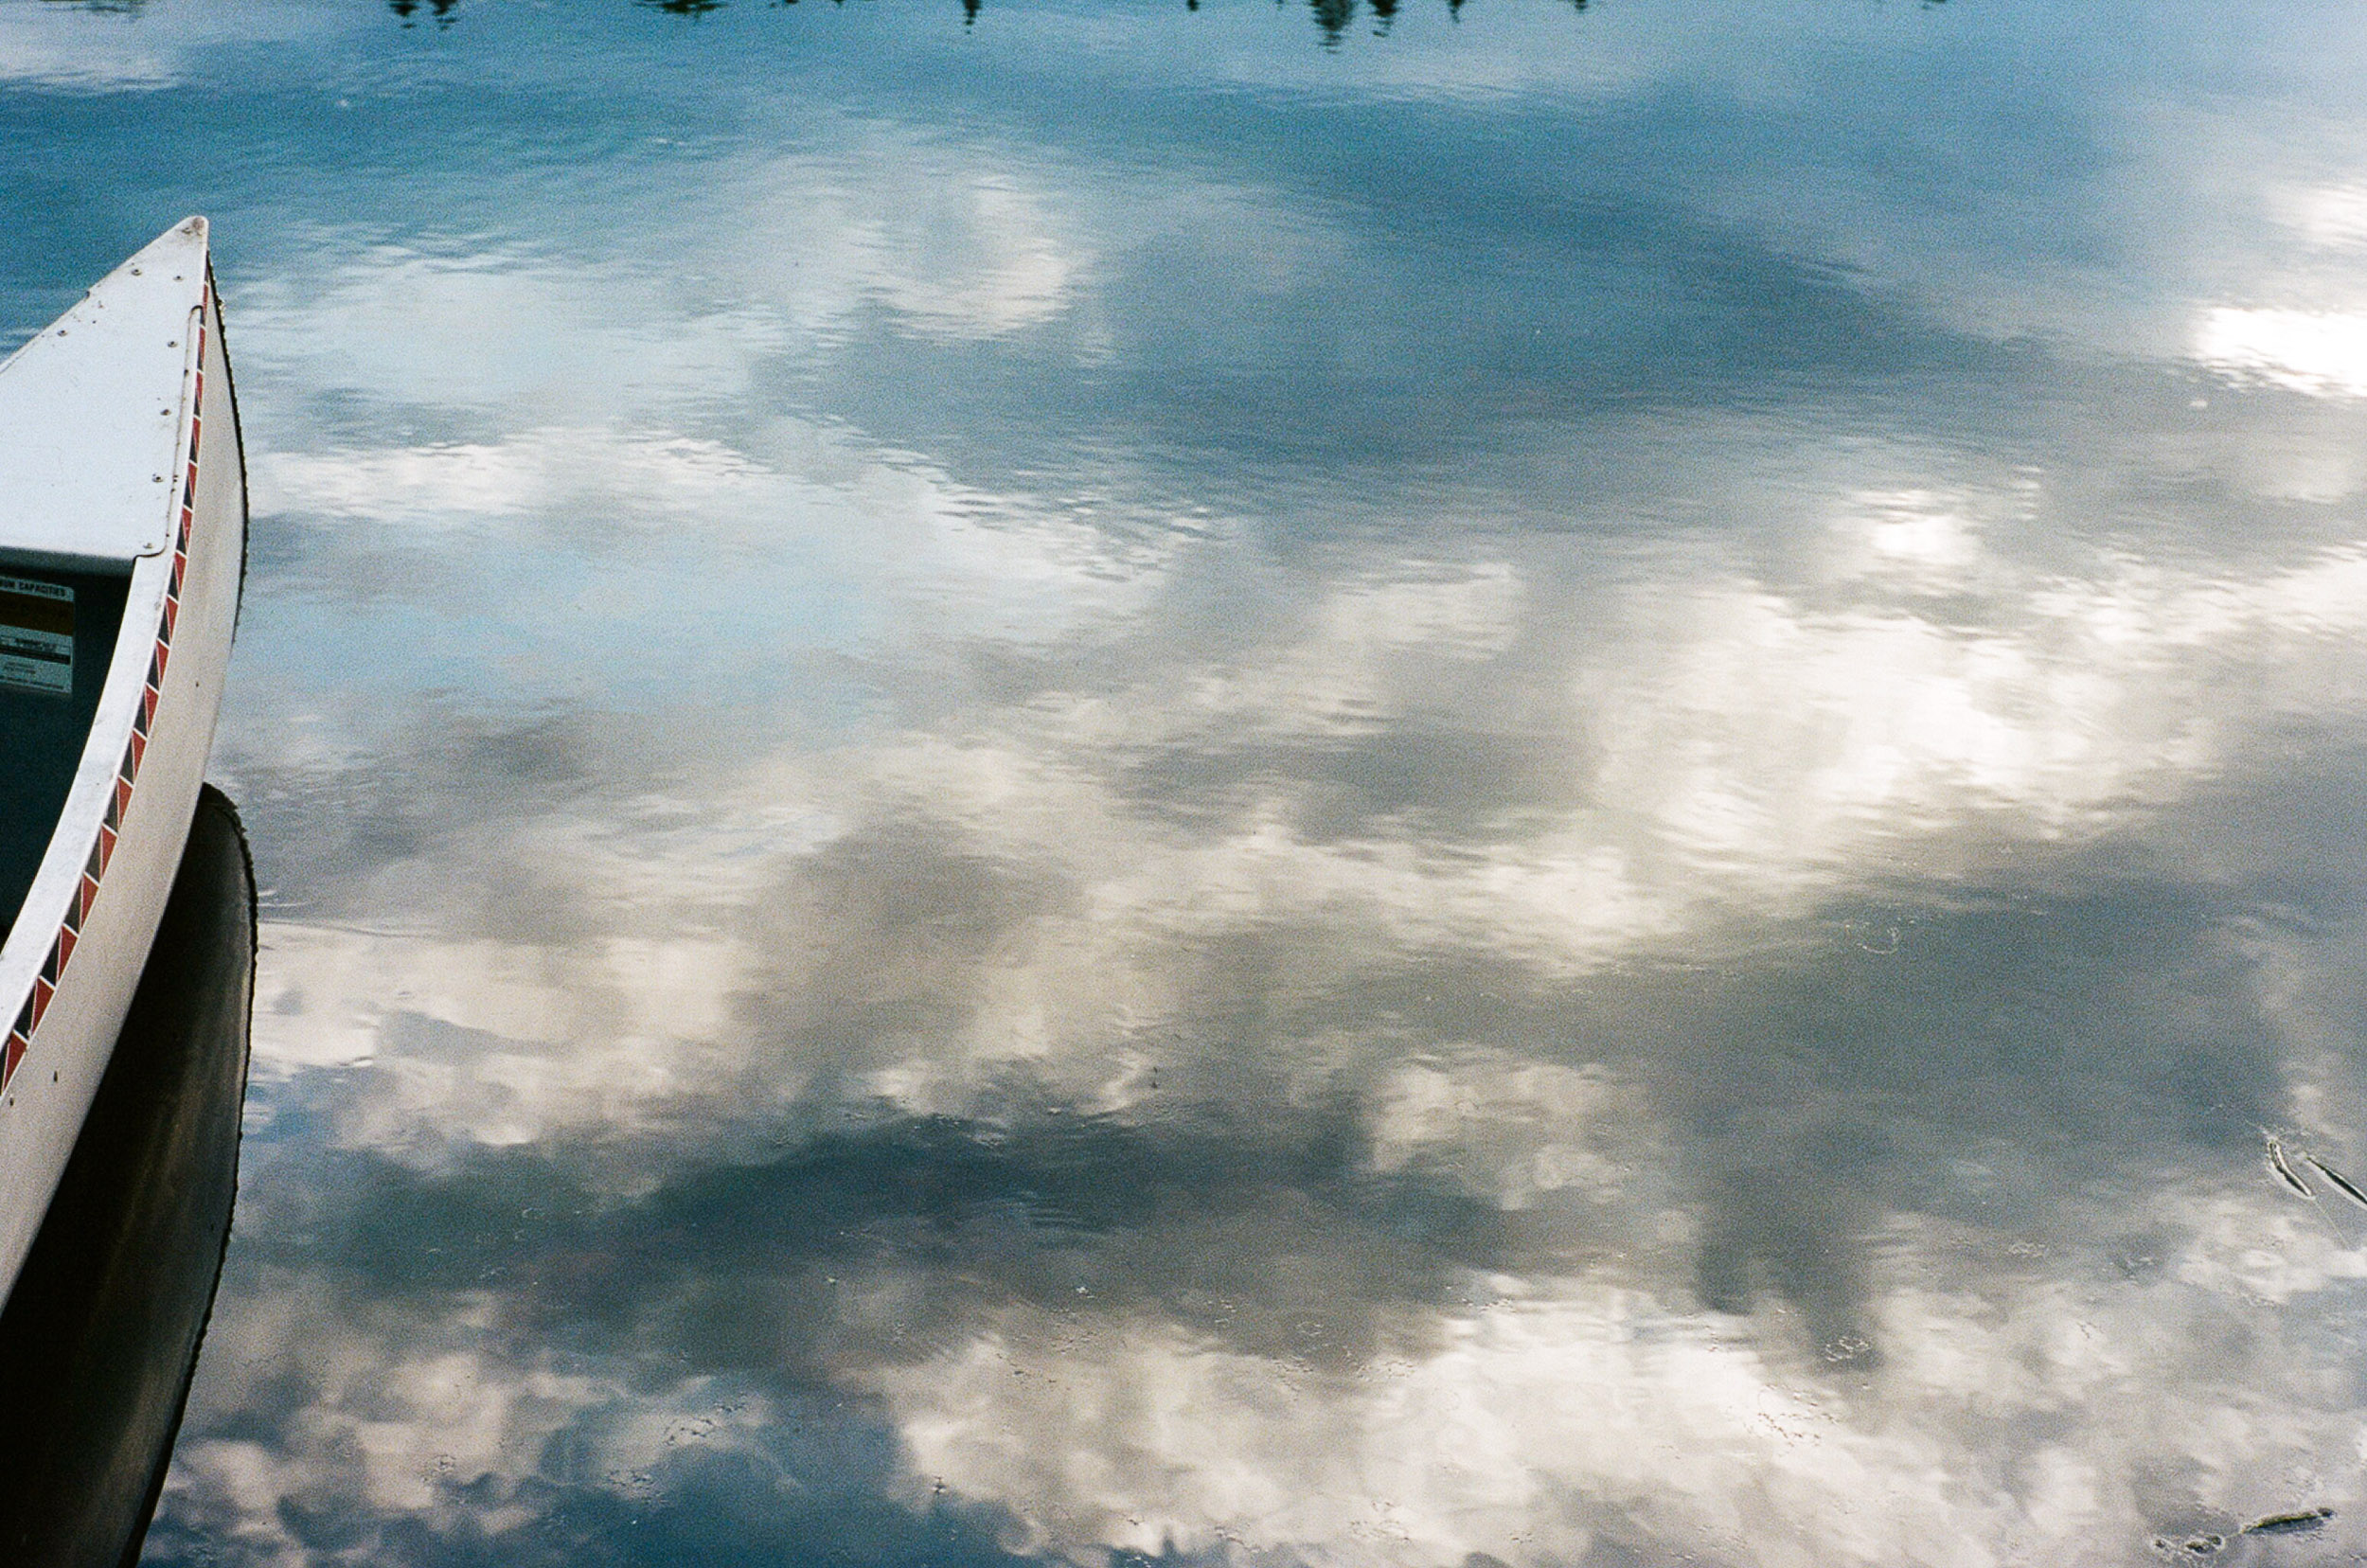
122,540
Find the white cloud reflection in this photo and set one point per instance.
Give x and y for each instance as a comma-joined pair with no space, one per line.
132,48
1721,749
908,918
2320,354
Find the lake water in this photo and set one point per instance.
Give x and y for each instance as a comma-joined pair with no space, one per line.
1433,787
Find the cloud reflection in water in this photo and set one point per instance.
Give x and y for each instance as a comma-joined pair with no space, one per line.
1248,815
1187,1112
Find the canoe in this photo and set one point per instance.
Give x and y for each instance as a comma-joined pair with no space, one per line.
122,550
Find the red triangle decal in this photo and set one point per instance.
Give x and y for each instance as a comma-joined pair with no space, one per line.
66,949
43,991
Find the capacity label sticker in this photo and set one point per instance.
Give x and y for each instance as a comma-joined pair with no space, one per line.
36,636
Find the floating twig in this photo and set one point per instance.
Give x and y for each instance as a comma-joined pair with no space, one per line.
2337,1179
2284,1171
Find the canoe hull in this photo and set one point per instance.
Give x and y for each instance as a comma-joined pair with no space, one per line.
74,955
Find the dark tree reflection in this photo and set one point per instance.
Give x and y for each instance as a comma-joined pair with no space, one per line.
1332,17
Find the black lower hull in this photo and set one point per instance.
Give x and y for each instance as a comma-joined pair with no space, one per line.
99,1338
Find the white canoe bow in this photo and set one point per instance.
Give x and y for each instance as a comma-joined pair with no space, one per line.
122,547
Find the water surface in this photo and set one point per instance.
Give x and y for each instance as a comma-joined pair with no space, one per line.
1440,786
